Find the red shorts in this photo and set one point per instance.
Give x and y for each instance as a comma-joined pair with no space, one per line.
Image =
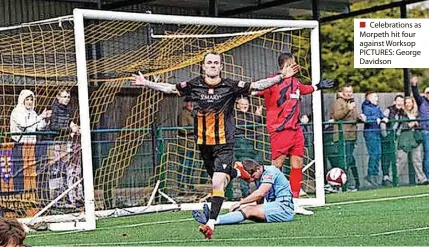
287,142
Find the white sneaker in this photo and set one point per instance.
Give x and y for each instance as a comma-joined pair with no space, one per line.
303,211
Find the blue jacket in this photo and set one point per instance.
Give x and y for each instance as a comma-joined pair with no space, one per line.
423,105
372,112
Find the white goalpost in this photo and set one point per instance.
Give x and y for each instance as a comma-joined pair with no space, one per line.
80,14
106,181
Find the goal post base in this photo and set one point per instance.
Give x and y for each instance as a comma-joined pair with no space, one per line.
67,226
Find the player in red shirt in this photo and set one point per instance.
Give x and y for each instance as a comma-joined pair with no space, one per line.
282,102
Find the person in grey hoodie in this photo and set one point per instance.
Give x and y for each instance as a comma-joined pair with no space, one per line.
423,105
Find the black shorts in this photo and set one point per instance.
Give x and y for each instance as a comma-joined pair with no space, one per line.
218,158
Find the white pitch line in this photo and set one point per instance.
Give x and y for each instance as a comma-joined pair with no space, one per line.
400,231
205,241
370,200
52,234
147,224
248,239
184,220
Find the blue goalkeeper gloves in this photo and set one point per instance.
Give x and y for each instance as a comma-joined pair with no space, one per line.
324,84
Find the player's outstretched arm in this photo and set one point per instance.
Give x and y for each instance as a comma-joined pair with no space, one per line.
287,71
308,89
140,80
325,84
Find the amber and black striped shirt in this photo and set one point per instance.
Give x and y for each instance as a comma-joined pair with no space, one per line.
214,108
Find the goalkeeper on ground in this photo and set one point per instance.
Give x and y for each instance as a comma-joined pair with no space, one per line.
214,124
272,185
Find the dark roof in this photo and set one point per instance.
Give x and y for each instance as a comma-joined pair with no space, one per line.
233,7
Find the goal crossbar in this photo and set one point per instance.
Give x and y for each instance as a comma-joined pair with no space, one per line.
192,20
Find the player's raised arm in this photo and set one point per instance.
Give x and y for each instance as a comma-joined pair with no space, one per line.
140,80
287,71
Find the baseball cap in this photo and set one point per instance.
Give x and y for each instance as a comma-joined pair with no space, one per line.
427,90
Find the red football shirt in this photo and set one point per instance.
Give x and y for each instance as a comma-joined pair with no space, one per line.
282,102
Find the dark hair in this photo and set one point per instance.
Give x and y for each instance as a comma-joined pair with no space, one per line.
283,57
62,91
347,85
11,231
250,165
398,96
214,53
368,93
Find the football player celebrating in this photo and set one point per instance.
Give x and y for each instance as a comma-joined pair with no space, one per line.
214,124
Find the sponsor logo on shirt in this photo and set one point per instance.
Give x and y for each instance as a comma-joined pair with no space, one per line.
295,95
210,97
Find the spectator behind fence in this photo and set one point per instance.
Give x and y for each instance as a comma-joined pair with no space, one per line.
62,116
388,141
186,119
344,109
60,152
244,143
12,233
410,143
372,135
25,119
423,105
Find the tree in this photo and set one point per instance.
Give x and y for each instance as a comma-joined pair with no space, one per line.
337,53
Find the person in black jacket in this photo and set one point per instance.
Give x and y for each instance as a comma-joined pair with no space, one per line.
61,119
60,152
